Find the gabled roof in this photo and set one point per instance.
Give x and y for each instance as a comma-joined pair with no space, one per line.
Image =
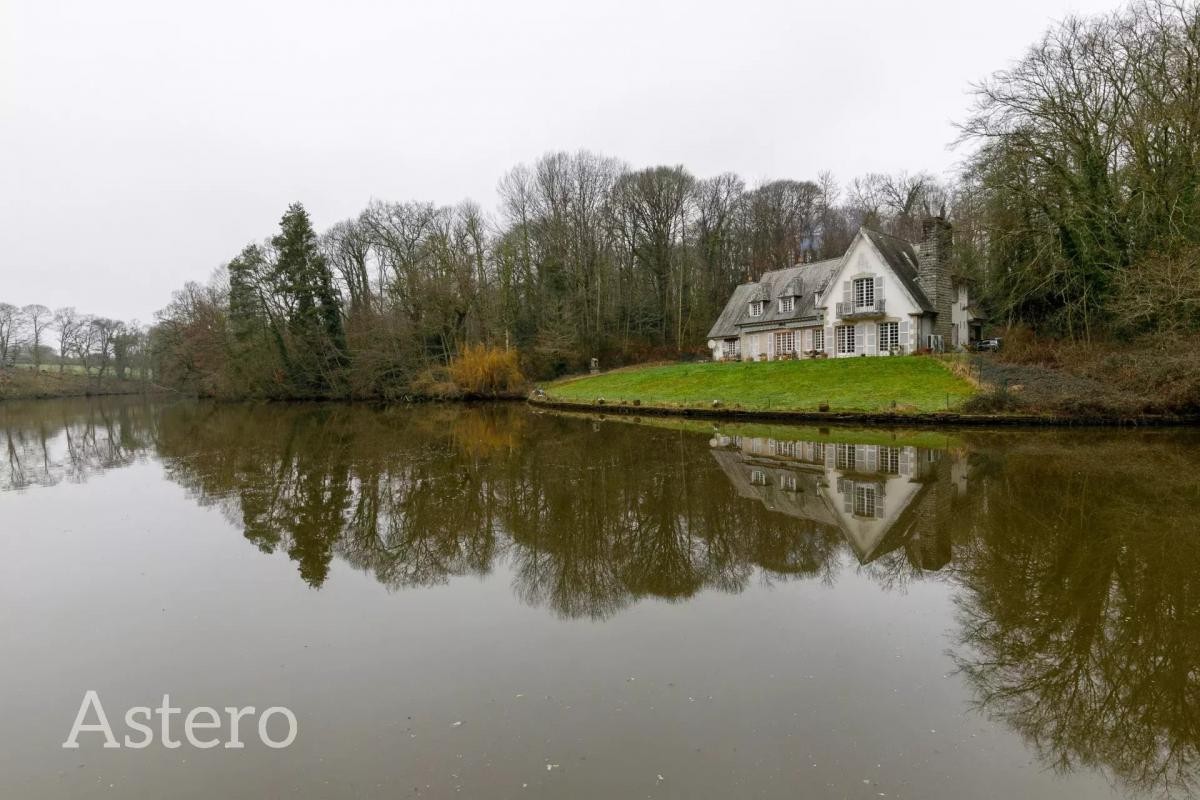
902,258
802,281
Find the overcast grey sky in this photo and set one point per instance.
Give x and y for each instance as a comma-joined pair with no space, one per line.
143,142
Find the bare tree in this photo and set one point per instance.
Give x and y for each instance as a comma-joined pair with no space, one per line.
127,345
347,248
10,323
103,332
782,220
652,206
69,324
37,320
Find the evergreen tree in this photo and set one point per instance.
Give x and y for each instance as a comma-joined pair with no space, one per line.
304,282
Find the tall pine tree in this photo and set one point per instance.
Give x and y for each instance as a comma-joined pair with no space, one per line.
302,278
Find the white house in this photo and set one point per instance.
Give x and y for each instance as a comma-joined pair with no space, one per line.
884,296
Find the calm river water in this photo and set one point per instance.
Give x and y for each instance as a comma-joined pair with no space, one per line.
494,602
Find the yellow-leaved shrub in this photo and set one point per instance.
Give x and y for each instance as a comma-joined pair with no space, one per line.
479,369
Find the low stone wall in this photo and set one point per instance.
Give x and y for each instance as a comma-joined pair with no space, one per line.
944,419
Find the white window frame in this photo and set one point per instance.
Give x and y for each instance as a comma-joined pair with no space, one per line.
786,304
845,340
785,342
731,348
756,308
864,292
818,340
846,458
890,340
864,500
889,460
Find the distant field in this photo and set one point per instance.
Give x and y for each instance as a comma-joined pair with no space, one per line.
909,383
27,384
71,369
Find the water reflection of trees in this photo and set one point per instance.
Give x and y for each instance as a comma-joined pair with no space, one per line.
589,519
1080,608
1075,559
45,443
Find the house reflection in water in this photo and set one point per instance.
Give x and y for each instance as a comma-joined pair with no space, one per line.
879,497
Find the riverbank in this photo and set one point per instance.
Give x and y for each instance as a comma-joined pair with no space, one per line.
948,418
48,383
967,391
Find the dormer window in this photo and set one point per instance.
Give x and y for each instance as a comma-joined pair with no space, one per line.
756,308
786,304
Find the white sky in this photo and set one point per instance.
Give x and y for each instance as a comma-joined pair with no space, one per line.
143,142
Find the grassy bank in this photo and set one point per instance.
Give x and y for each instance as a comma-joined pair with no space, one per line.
911,384
30,384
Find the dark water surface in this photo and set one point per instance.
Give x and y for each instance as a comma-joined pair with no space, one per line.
490,602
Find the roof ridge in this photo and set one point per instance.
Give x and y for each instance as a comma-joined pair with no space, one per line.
888,235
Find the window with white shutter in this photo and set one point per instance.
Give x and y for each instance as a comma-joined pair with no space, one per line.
846,456
845,339
785,342
889,336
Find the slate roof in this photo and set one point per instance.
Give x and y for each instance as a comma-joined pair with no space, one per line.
802,281
901,257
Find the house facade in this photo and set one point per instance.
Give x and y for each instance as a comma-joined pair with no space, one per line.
884,296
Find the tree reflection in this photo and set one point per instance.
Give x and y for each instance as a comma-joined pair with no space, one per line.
1074,557
1080,609
418,496
46,443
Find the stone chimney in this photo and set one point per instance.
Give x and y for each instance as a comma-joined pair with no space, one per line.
934,253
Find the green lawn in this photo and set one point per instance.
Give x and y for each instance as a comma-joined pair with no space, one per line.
909,383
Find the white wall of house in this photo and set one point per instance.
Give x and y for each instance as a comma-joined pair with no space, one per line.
863,261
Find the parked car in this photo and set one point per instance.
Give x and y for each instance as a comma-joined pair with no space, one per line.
985,345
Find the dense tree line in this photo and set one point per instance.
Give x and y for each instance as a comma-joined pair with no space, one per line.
584,258
1076,212
1086,180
